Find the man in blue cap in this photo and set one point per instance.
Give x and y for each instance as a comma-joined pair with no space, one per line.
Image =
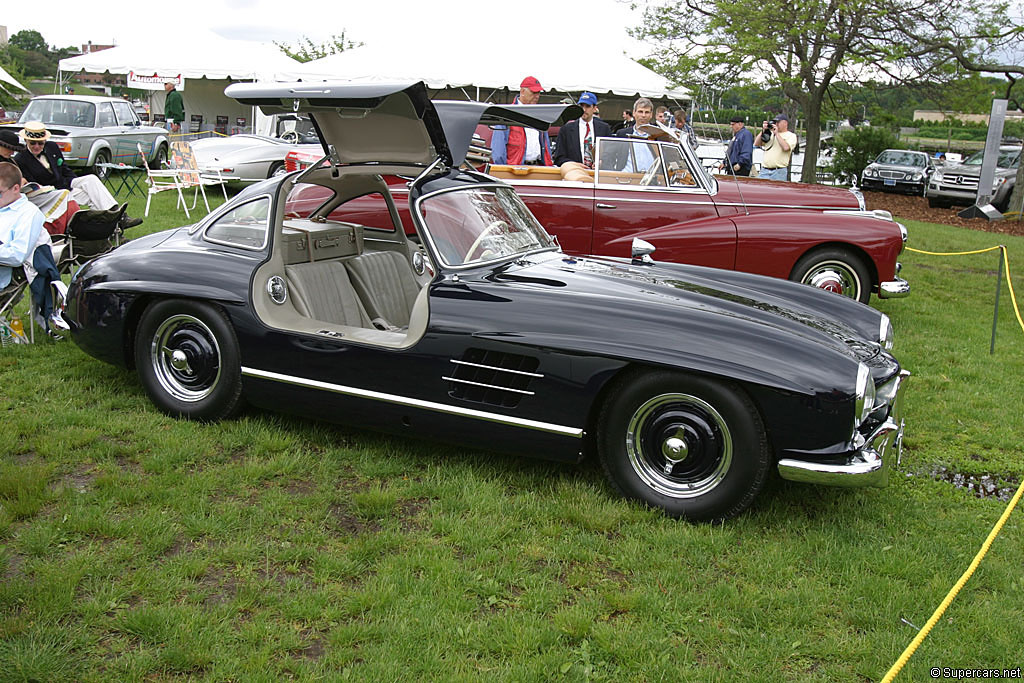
577,139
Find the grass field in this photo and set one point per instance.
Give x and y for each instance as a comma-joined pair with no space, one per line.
134,546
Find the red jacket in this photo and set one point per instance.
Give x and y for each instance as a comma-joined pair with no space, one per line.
516,148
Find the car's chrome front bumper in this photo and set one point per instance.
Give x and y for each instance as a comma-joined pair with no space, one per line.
871,461
893,289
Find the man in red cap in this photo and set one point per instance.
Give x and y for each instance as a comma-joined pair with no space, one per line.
518,145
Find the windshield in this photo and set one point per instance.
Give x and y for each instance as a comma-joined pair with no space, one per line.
900,158
59,113
1008,158
481,224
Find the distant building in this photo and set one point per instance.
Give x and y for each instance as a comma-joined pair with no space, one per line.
3,35
89,48
932,116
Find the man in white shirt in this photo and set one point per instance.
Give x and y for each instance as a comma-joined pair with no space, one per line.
778,149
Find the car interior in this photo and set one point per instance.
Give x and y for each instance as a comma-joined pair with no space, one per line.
339,279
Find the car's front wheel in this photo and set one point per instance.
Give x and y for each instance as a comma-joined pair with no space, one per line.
186,353
692,446
834,270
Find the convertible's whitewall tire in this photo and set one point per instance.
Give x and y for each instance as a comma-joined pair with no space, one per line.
836,270
692,446
186,354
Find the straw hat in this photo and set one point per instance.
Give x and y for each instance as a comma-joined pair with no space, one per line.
34,131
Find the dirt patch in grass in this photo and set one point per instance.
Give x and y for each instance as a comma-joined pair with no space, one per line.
917,209
344,520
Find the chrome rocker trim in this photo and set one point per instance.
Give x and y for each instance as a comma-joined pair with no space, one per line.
415,403
869,465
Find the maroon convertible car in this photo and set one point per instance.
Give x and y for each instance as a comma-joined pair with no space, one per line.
656,190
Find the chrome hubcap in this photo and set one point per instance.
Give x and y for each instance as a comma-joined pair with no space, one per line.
185,358
834,277
679,445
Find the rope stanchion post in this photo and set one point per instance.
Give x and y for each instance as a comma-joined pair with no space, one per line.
999,288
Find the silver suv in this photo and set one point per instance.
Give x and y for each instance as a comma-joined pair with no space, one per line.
958,183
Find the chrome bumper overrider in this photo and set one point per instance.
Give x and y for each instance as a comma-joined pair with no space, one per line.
868,465
894,289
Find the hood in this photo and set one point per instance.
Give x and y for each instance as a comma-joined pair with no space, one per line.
780,195
783,335
390,122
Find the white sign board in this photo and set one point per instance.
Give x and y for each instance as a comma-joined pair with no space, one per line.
154,81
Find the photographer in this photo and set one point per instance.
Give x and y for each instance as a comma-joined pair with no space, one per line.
778,144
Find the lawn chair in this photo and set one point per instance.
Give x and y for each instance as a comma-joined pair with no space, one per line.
160,180
89,234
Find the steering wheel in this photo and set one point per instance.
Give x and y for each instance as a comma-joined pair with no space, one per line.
650,174
291,136
493,227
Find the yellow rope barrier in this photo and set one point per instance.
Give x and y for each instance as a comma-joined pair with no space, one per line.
941,609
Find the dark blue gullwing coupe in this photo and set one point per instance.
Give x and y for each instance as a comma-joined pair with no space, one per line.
689,384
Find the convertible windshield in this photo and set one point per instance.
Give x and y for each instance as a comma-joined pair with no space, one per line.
59,113
481,224
898,158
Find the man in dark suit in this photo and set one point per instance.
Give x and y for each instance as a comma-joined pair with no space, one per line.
42,162
578,139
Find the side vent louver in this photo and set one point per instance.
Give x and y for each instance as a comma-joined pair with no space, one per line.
495,378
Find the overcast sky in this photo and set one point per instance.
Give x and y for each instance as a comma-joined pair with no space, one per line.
471,30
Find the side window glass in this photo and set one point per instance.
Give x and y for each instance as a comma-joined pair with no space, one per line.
630,162
105,115
305,198
679,172
125,113
245,226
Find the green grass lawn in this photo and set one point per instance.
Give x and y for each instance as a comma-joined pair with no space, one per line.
134,546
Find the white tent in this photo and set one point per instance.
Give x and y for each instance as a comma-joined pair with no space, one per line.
594,70
205,70
7,78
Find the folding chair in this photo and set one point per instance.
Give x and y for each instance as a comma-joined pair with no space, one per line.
89,233
161,180
184,160
10,296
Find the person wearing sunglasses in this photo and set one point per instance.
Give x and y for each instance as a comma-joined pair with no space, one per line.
42,162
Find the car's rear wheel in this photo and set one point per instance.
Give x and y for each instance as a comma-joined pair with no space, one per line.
102,157
692,446
187,357
160,160
276,169
834,270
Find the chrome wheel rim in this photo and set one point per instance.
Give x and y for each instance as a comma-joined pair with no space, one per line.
834,276
679,445
185,358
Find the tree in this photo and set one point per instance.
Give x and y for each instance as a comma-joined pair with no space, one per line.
30,41
306,50
809,48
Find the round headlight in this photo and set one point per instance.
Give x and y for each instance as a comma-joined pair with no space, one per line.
937,176
886,336
865,400
869,172
916,176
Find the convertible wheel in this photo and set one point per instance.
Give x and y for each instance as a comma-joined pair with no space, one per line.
834,270
186,353
277,169
694,447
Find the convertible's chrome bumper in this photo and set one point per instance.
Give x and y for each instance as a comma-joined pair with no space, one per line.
894,289
869,464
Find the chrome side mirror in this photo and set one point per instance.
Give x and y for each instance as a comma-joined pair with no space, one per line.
642,250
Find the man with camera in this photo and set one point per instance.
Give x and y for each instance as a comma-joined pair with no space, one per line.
778,144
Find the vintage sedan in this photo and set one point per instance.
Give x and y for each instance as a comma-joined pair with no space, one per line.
689,384
898,170
656,189
94,131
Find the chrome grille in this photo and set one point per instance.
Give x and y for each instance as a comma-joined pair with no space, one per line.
892,175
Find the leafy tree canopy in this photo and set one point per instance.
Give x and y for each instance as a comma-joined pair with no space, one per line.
306,50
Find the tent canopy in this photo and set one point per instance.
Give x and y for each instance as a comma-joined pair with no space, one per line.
213,58
596,71
7,78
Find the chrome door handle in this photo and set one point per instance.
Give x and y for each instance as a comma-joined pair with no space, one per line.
606,206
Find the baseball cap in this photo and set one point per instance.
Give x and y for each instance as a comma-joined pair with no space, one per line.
587,98
532,84
781,117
